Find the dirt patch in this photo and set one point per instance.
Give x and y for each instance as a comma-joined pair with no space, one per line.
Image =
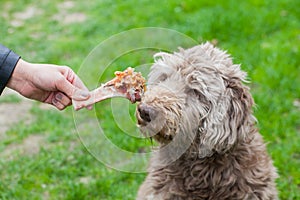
66,16
19,18
85,180
14,112
4,11
45,106
29,146
66,5
74,18
296,103
70,18
14,109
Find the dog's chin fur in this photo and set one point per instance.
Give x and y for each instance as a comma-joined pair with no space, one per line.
203,115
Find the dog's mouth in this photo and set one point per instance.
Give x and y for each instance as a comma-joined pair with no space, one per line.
153,124
163,138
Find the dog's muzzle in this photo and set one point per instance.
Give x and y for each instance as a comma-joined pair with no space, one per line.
145,114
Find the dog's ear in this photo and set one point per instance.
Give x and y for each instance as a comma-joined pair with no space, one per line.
229,120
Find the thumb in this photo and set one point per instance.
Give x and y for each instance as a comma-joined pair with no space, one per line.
72,91
80,95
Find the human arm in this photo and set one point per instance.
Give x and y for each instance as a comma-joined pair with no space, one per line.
8,61
47,83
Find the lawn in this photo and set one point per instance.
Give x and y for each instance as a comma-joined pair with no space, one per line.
44,156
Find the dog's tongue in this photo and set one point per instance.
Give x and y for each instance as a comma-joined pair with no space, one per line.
127,84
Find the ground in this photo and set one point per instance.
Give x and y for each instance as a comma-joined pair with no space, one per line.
41,156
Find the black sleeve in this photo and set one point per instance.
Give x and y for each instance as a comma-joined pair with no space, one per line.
8,61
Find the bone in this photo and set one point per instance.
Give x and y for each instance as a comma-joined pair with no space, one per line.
127,84
99,94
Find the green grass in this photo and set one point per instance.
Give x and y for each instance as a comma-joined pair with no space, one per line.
10,98
263,35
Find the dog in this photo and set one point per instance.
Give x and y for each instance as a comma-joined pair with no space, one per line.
199,110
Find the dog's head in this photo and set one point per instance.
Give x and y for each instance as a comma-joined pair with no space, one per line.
196,94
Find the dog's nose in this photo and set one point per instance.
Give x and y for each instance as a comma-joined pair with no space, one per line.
147,113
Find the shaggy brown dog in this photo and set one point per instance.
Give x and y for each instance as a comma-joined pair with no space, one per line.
199,111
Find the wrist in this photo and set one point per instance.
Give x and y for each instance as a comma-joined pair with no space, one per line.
19,75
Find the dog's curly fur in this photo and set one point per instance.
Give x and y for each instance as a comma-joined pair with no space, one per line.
200,112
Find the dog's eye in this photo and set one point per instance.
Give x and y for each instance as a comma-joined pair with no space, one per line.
199,95
195,92
192,92
162,77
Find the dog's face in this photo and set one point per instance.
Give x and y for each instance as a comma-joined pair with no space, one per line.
195,94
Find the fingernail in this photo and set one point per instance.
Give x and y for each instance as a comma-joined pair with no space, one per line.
54,101
58,96
84,94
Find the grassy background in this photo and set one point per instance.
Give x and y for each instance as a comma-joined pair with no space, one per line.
263,35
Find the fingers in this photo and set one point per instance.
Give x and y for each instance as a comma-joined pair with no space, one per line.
63,99
72,91
73,88
78,83
72,85
60,100
80,95
57,104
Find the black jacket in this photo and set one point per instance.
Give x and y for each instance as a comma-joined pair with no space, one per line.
8,61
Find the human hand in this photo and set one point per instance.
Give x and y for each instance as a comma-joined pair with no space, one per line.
53,84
